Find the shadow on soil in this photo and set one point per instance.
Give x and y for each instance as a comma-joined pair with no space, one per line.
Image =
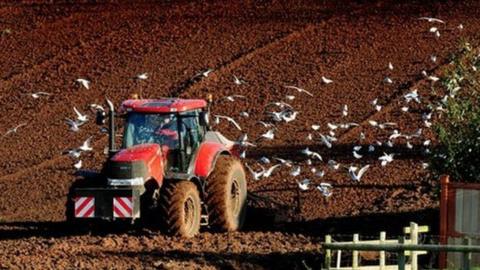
258,219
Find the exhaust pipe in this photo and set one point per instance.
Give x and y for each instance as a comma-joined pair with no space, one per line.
111,129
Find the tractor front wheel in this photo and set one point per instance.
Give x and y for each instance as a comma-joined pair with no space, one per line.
180,208
227,194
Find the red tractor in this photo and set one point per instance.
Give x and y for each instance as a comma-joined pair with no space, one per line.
171,168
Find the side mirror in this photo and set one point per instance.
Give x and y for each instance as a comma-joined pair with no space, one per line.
205,118
100,118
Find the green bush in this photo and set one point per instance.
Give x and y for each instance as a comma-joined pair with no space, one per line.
458,129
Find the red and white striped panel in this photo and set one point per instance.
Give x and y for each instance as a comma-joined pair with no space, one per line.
123,207
84,207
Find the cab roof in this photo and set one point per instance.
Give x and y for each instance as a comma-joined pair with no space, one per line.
167,105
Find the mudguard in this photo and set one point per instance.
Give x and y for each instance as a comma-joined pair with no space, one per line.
206,157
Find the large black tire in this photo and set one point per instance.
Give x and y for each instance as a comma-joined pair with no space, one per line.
227,195
180,208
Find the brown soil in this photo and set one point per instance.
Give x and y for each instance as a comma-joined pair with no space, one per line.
269,44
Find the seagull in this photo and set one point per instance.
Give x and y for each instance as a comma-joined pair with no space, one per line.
243,141
84,82
356,155
388,80
267,173
309,153
309,136
279,104
326,80
404,109
357,176
80,117
433,58
290,97
74,153
433,78
264,160
304,184
333,164
409,145
269,135
315,127
289,116
14,130
86,145
382,125
327,141
233,97
204,73
285,162
348,125
78,165
238,81
244,114
385,159
299,89
395,135
324,188
460,27
433,29
243,154
332,126
344,110
412,96
255,175
229,119
267,125
142,76
277,116
430,19
74,125
38,94
96,107
295,171
390,66
375,104
320,173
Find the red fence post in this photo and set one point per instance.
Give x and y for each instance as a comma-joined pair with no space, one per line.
443,219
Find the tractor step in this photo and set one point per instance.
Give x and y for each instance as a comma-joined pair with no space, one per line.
204,220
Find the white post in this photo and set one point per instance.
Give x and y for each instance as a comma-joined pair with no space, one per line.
355,252
328,252
413,241
383,237
339,258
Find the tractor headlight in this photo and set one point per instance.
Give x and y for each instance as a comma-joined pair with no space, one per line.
137,181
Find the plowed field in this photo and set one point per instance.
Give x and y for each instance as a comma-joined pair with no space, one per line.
268,44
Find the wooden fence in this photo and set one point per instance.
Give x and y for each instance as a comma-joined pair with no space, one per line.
413,232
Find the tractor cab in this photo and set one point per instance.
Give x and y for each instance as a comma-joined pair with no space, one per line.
177,126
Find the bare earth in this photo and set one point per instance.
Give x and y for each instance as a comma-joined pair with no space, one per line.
269,44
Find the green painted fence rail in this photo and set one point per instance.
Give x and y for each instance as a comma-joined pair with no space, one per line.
466,249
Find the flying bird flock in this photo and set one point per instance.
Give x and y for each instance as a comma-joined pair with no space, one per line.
281,112
325,136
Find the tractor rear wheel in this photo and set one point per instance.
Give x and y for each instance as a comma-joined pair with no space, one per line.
180,208
227,195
